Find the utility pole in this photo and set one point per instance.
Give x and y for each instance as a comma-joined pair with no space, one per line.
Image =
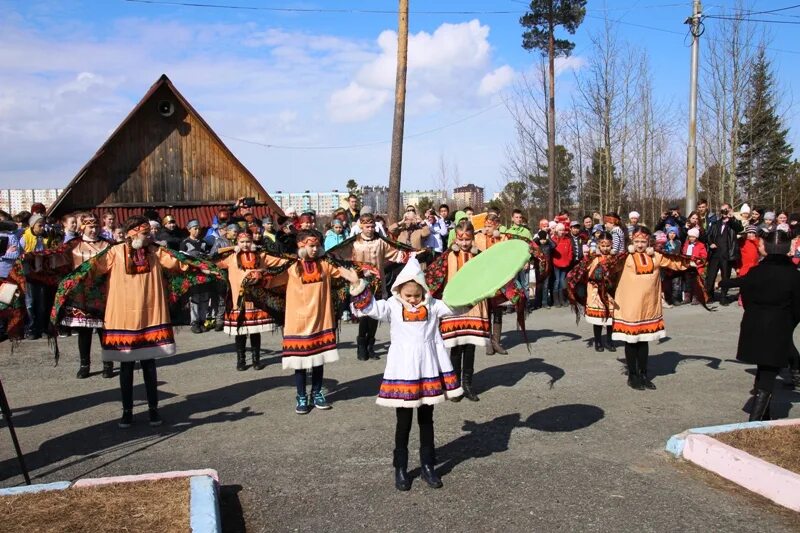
396,164
551,117
691,152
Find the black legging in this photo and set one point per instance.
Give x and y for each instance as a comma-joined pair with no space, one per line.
463,359
636,356
367,327
150,383
316,380
85,343
405,416
598,332
241,342
766,376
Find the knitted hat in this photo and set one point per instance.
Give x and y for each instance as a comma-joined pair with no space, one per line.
336,222
660,237
34,219
634,214
598,227
552,224
751,228
366,210
266,220
745,208
694,232
769,215
194,223
232,227
290,211
671,229
560,227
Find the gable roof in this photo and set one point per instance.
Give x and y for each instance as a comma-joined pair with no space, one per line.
164,81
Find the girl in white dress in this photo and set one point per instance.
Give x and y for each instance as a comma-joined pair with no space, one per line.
418,369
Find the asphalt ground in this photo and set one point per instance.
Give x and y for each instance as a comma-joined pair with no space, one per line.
558,441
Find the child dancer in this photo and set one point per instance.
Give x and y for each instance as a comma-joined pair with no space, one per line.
598,313
309,335
255,321
418,371
461,333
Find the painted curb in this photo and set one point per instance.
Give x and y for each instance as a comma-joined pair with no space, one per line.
33,489
676,443
773,482
96,482
204,511
698,446
204,514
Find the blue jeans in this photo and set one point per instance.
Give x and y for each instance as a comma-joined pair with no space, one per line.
559,278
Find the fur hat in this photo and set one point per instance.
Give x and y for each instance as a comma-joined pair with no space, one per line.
694,232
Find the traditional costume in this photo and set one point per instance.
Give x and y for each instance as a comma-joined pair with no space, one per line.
249,320
126,285
418,370
377,251
597,312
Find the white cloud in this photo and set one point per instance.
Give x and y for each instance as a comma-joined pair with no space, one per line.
496,80
451,65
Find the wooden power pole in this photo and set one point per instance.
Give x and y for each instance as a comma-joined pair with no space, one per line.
551,118
395,168
691,152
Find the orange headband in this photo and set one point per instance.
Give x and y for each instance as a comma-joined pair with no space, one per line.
309,241
610,219
640,233
141,228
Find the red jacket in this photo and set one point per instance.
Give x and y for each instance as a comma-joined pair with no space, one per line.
749,256
562,252
699,251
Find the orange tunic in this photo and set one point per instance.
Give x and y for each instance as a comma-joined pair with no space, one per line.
638,316
309,333
137,323
373,251
472,327
255,320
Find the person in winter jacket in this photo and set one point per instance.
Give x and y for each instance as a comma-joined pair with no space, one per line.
198,248
562,260
335,235
693,248
771,295
723,250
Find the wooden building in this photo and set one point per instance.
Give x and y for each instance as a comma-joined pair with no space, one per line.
164,157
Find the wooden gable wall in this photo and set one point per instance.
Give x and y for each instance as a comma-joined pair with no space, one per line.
154,160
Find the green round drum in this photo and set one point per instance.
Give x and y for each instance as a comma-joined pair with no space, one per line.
482,276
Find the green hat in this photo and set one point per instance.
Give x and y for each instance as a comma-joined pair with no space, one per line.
459,216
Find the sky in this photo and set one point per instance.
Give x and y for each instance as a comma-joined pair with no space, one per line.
305,98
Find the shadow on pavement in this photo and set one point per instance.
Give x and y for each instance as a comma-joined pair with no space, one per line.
487,438
231,509
666,363
509,374
103,438
514,337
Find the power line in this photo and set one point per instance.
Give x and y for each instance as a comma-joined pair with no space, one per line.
366,144
316,10
721,17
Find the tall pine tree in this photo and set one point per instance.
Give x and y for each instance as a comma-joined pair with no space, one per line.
764,155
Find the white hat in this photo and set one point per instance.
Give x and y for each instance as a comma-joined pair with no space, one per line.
634,214
551,224
560,227
290,211
411,272
745,208
36,217
694,232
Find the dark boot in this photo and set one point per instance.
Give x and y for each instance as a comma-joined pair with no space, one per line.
497,331
241,362
371,349
402,481
760,410
468,371
361,343
108,369
642,366
609,341
255,347
427,458
634,379
490,346
83,370
795,378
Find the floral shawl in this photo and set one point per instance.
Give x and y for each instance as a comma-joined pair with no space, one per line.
14,313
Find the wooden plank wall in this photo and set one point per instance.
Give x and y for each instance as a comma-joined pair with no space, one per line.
156,159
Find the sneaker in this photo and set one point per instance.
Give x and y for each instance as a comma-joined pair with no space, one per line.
127,420
303,406
320,402
155,420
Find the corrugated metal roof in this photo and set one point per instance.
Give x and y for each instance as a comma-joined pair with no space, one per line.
203,213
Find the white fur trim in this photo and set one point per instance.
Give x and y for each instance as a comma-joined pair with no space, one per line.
650,251
463,340
139,354
296,362
430,400
631,249
83,323
358,289
647,337
599,321
249,330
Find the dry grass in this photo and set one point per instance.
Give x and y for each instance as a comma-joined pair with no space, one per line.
779,445
148,506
